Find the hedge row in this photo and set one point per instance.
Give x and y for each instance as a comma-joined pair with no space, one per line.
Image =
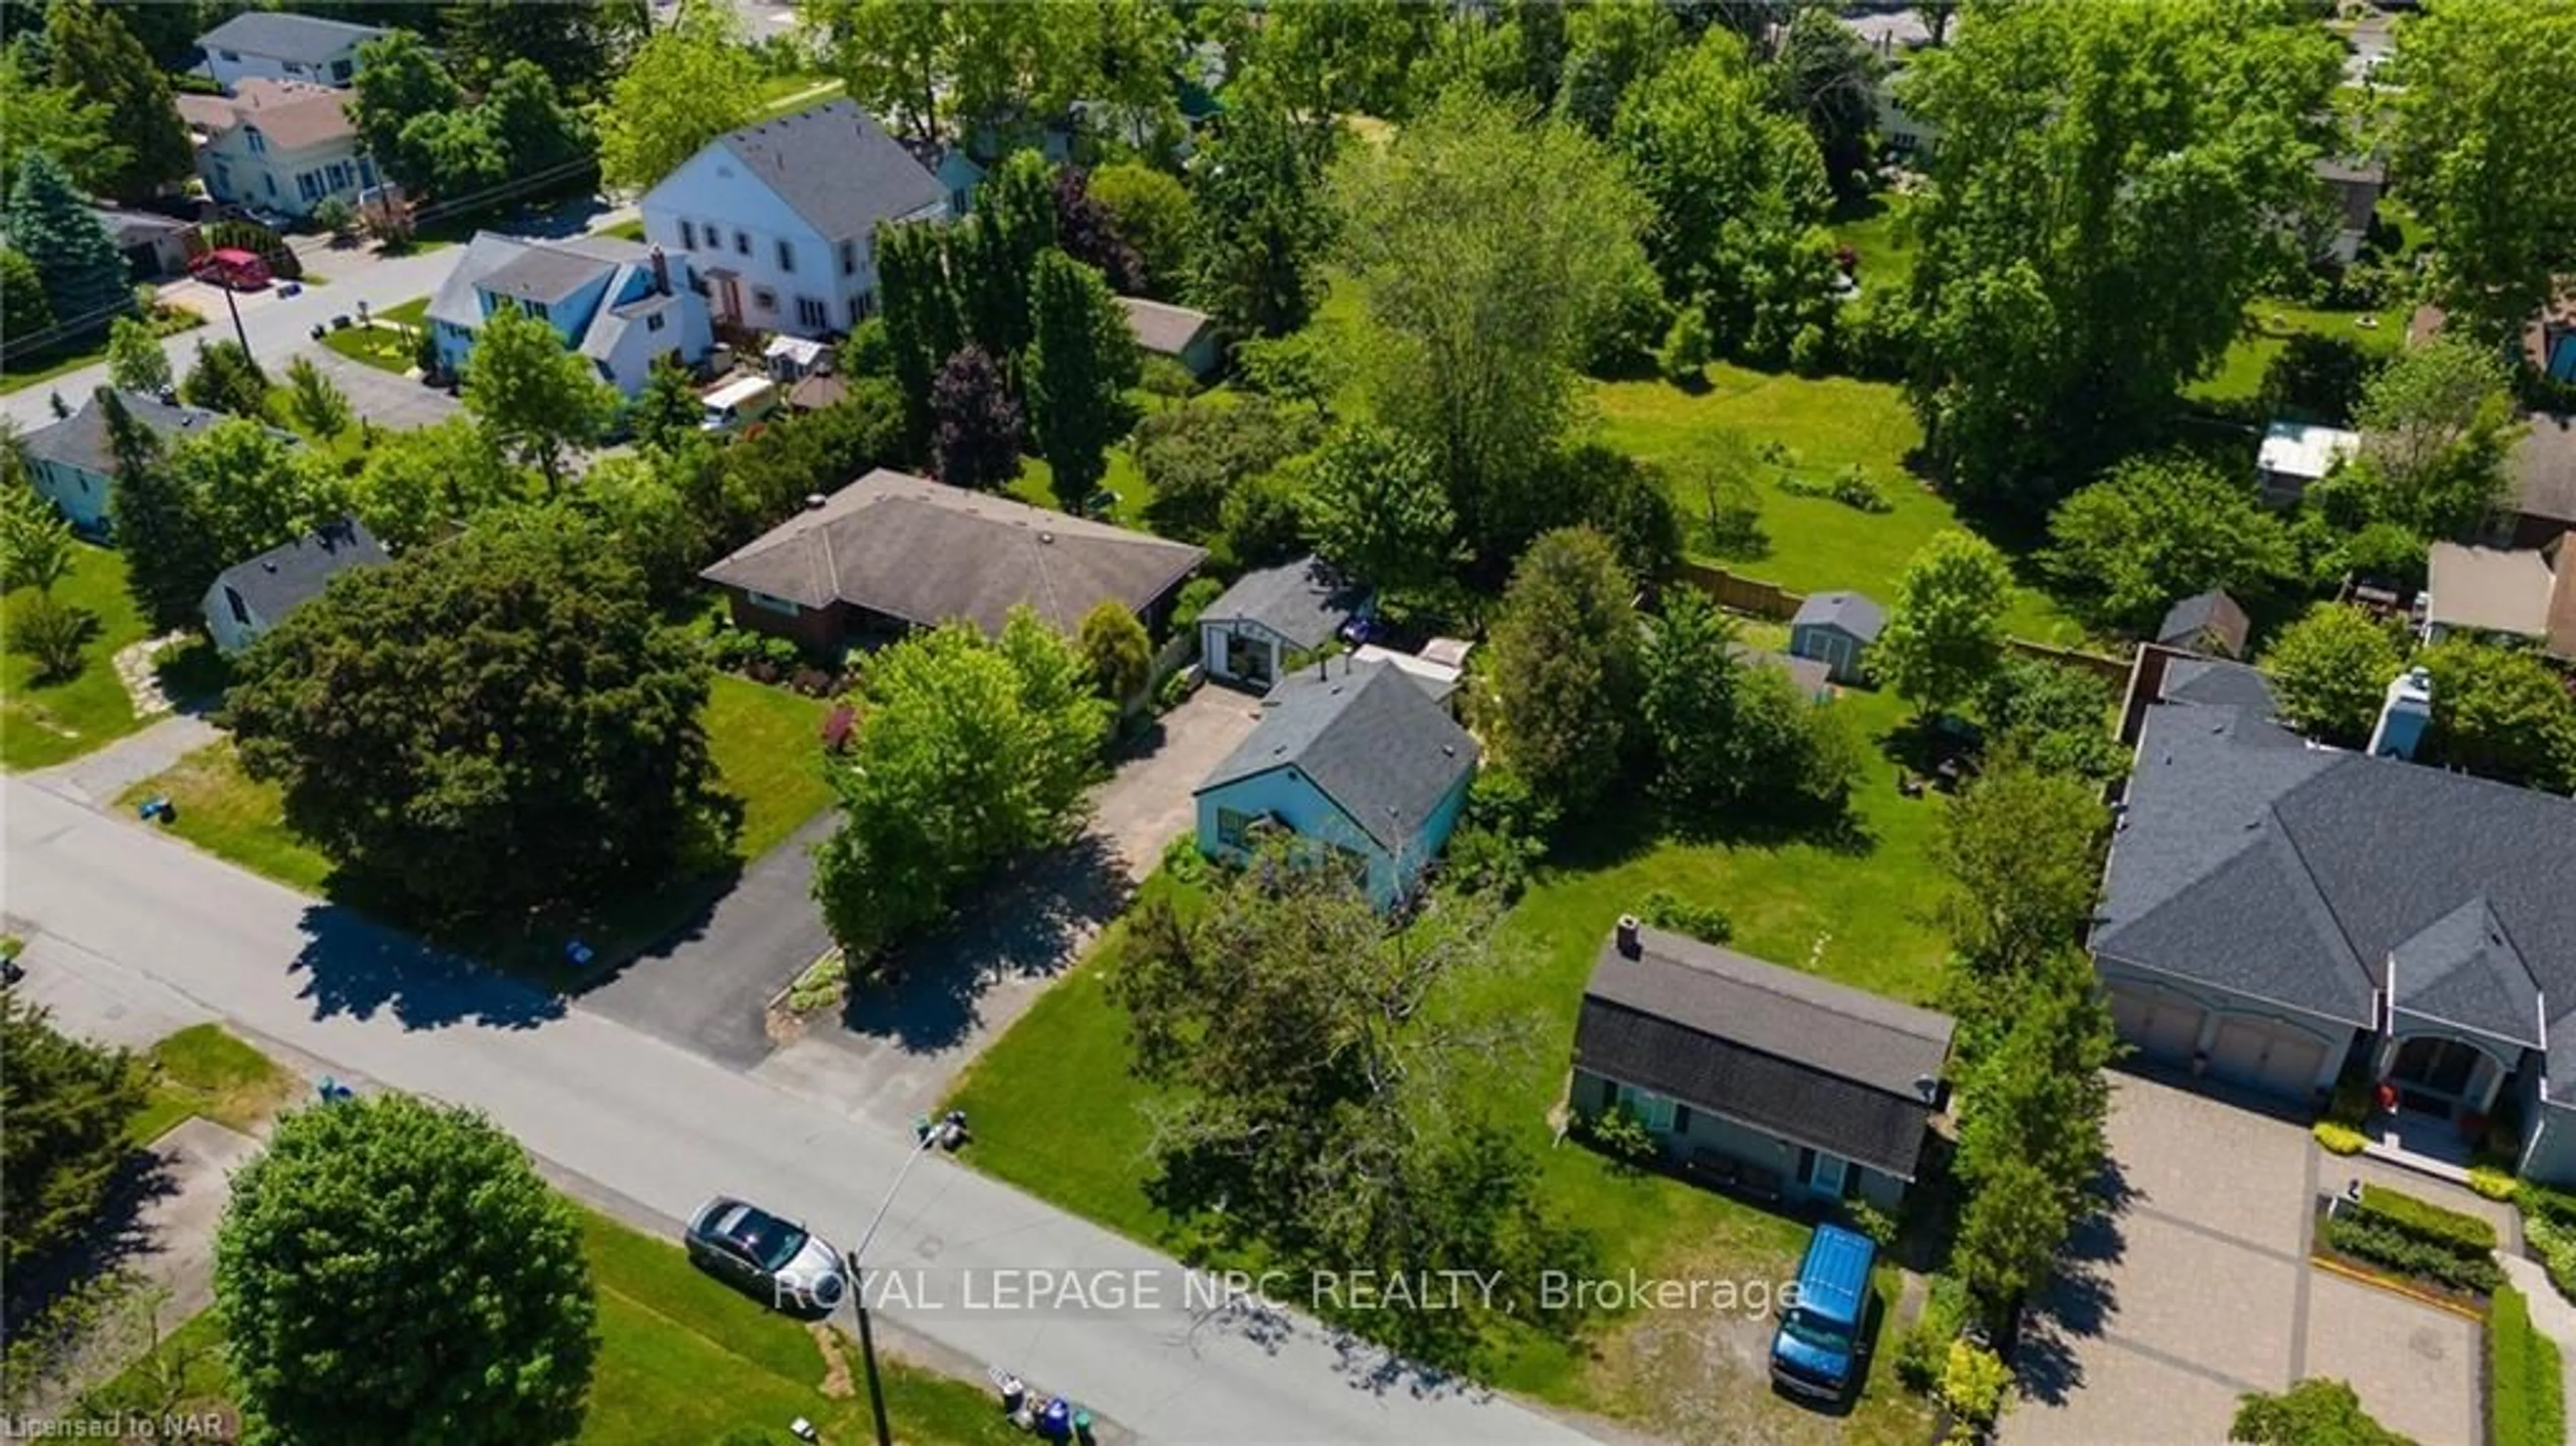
2367,1237
2526,1404
2426,1221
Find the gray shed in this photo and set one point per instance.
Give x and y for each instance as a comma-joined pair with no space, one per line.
1836,629
1251,632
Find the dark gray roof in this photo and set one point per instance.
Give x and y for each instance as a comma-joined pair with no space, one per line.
1771,1048
2210,616
544,274
2543,468
837,168
1812,675
276,33
1848,611
1304,601
279,580
2219,683
80,440
133,228
2296,873
924,553
1367,736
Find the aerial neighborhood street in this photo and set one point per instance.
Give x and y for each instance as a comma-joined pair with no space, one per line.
1823,722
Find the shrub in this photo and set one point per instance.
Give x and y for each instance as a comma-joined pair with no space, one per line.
1481,860
1175,690
1194,600
2554,1242
1852,488
1873,1222
2366,1237
1923,1352
1684,354
1972,1383
1810,352
2450,1229
2338,1140
2491,1182
1618,1133
1700,921
2526,1401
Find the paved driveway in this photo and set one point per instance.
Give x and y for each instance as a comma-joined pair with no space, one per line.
2197,1288
399,403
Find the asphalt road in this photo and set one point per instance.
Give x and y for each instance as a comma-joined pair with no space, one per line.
142,917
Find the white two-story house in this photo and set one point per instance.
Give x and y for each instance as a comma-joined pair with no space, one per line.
278,145
778,220
275,45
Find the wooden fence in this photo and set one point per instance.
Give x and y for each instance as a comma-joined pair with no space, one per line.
1771,602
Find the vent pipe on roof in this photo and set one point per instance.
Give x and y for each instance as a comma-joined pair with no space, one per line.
1630,945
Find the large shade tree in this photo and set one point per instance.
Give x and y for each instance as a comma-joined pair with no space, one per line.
1945,632
394,1272
2160,529
535,397
486,726
692,81
96,57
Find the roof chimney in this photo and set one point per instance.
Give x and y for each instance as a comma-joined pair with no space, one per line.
661,272
1630,945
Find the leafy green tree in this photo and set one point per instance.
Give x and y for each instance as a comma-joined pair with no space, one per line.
2157,530
890,55
1611,46
2313,1412
135,360
540,133
97,57
1826,76
162,524
694,80
1374,508
418,485
2055,717
1262,224
68,1102
534,397
254,489
424,1232
314,401
2501,713
487,726
2467,133
2433,424
50,224
577,46
226,379
666,412
1082,359
2022,848
1196,455
1155,215
23,301
994,255
1116,652
1945,633
1328,59
976,426
2330,669
400,80
924,321
35,545
1565,666
59,120
641,504
1482,250
1688,703
970,751
2103,209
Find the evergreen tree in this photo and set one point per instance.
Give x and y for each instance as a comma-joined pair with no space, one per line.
96,56
76,260
161,525
30,313
68,1102
1014,222
1262,225
226,379
1080,365
1565,669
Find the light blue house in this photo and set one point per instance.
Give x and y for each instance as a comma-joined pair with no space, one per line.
617,303
1356,758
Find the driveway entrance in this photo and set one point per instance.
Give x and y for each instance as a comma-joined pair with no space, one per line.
2196,1288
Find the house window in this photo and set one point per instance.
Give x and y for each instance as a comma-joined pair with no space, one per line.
341,70
241,610
849,258
270,182
230,54
786,256
338,174
811,314
295,67
1234,827
771,603
653,322
309,185
536,309
688,234
742,243
862,306
1652,1108
764,299
252,138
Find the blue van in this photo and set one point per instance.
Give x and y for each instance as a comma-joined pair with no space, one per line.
1816,1352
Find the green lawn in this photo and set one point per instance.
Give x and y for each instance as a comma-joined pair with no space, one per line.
380,347
202,1070
45,723
1875,228
1057,1114
682,1361
780,94
768,747
625,230
229,814
2268,327
167,321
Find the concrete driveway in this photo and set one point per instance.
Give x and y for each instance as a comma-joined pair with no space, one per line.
2196,1288
395,403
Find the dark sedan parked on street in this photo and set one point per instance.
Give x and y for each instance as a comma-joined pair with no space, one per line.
766,1257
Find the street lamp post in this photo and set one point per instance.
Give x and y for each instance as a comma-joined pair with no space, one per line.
859,1285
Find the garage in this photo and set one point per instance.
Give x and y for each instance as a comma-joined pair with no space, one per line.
2261,1055
2163,1028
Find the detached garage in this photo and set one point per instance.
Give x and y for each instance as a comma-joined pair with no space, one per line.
1257,628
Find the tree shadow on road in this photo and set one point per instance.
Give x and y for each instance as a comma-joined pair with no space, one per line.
1029,924
2079,1303
117,1240
356,966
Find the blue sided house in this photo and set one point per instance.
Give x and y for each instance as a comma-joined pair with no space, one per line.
1355,757
620,304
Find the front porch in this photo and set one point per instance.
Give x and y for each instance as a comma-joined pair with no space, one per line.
2434,1098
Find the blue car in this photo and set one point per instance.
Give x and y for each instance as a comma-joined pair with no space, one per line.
1817,1351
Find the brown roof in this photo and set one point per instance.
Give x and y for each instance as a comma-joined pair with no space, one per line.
293,114
2543,468
2488,590
817,390
1162,328
924,553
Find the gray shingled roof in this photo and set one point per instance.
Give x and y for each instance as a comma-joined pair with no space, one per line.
837,168
543,274
2543,468
284,36
923,553
1161,327
2219,683
1771,1048
2295,874
80,440
2213,615
1366,735
1849,611
283,578
1304,601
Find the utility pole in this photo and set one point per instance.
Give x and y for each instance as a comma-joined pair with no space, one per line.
233,305
859,1284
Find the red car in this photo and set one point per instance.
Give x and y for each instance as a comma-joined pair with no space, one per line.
231,267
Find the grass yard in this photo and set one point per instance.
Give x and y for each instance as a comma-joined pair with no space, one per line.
381,347
44,723
683,1360
201,1070
625,230
233,816
767,744
1057,1114
1875,228
2269,325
